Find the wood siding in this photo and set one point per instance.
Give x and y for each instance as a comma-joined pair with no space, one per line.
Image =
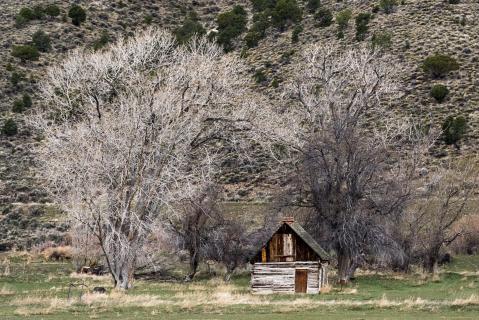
280,277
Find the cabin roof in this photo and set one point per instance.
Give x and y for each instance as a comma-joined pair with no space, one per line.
306,237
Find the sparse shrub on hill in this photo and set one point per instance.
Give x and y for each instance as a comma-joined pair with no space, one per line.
22,104
25,52
259,76
285,13
38,12
261,5
52,10
324,17
191,27
257,31
362,25
77,14
313,5
388,5
10,128
454,1
231,24
439,65
296,32
26,13
342,20
439,92
453,129
16,78
381,40
42,41
102,41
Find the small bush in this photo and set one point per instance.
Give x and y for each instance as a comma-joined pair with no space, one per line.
453,129
454,1
52,10
22,104
25,52
381,40
148,19
388,5
286,12
313,5
230,25
191,27
252,39
26,13
42,41
439,65
16,78
259,76
9,128
57,253
38,12
262,5
77,14
362,25
342,19
102,41
324,17
296,32
439,92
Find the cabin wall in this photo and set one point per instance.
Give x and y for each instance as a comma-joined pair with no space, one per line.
279,277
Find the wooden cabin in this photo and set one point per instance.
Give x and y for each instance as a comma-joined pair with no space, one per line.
290,262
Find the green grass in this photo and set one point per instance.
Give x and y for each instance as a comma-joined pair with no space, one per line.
33,289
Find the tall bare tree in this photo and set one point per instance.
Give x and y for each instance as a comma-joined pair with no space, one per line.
431,224
124,134
347,147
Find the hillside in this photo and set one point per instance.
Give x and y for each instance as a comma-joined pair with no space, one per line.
418,28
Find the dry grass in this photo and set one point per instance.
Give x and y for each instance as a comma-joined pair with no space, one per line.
57,253
5,291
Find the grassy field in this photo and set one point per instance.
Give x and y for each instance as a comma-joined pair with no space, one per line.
34,289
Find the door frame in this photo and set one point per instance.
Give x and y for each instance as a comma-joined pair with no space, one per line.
301,287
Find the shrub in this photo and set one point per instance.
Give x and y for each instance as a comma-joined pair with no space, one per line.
439,65
38,12
343,17
16,78
26,13
252,39
25,52
362,25
77,14
296,31
324,17
9,128
21,105
57,253
259,76
381,40
261,5
453,129
52,10
191,27
20,21
388,5
102,41
41,40
439,92
454,1
286,12
230,25
313,5
148,19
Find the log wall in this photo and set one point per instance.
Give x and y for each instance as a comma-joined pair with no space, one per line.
279,277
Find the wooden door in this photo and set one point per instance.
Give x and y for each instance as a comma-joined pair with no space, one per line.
301,281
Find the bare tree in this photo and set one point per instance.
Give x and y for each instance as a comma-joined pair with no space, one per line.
354,159
431,224
195,223
125,133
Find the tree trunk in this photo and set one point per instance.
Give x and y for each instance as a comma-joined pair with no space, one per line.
431,264
194,263
344,266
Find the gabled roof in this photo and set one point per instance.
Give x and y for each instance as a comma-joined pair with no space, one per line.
306,237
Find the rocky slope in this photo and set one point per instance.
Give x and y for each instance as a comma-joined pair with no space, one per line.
418,28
